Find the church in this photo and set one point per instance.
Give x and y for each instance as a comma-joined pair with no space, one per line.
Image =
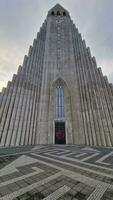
59,95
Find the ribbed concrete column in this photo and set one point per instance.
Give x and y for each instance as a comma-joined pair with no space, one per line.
9,115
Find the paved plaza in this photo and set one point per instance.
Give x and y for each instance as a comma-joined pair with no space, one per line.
50,172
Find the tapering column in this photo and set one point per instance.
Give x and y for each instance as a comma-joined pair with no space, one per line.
9,114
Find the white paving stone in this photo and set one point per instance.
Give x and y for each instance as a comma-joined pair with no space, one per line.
78,167
58,193
76,176
30,187
21,161
98,192
37,171
87,178
104,158
89,157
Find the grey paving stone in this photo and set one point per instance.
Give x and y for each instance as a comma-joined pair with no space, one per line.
13,187
5,190
22,183
82,177
24,196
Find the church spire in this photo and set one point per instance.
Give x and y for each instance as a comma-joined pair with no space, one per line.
58,10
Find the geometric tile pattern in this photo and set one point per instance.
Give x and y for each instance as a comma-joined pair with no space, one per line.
51,172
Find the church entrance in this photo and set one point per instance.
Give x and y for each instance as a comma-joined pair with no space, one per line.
60,133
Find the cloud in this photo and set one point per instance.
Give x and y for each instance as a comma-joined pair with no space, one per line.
11,56
3,84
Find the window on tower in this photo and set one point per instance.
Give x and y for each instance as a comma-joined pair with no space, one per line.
52,13
58,13
64,14
59,101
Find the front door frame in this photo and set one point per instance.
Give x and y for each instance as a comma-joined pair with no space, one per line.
54,130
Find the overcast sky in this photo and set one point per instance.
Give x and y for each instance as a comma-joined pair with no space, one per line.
20,20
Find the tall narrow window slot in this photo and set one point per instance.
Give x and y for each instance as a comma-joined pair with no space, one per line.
53,13
59,101
58,13
64,14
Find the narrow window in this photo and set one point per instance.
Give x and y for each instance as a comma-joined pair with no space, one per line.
58,13
52,13
59,101
64,14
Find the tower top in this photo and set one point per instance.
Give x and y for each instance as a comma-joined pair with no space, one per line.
58,10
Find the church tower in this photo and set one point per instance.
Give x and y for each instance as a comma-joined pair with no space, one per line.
58,95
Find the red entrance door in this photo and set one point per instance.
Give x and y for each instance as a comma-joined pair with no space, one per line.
60,133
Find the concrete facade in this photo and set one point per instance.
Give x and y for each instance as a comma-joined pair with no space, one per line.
27,106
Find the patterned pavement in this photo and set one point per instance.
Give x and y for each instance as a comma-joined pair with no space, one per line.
51,172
